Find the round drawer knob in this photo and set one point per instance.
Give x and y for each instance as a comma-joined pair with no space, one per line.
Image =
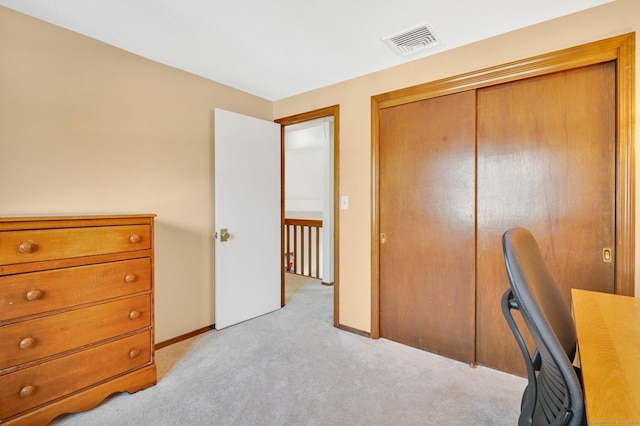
27,247
134,315
133,353
27,343
134,238
27,391
129,278
34,295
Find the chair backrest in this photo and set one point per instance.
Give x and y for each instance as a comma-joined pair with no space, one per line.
555,387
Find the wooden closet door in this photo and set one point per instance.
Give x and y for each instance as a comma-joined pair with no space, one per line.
546,161
427,251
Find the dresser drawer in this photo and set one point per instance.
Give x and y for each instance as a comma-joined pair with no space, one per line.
34,339
50,244
37,292
33,386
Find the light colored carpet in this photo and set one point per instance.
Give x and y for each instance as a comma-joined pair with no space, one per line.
292,367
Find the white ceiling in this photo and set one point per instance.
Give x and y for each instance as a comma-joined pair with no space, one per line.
278,48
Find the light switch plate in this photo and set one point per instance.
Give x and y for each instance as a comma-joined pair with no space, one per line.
344,202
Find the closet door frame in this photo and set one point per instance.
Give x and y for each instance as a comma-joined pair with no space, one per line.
620,49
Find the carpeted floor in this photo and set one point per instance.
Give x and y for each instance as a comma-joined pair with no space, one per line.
292,367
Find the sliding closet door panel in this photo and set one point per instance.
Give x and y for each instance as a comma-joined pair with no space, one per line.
546,161
427,168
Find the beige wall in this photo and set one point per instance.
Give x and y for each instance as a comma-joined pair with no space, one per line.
88,128
354,97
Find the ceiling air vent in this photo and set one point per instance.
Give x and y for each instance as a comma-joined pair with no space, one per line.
412,40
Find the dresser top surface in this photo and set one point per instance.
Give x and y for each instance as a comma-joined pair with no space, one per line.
33,218
50,222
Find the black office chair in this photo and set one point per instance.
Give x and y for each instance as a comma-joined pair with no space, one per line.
553,395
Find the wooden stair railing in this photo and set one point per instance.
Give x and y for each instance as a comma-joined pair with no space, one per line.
302,247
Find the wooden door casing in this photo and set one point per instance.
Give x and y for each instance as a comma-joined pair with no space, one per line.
546,161
427,185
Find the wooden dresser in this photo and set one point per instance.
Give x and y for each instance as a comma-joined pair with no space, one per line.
76,313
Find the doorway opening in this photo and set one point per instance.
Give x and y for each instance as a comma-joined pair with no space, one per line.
310,182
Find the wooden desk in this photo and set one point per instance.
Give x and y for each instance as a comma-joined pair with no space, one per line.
608,329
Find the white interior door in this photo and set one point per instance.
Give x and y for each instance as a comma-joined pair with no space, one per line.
247,206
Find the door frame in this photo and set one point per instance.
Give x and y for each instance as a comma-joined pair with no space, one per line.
332,111
620,49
